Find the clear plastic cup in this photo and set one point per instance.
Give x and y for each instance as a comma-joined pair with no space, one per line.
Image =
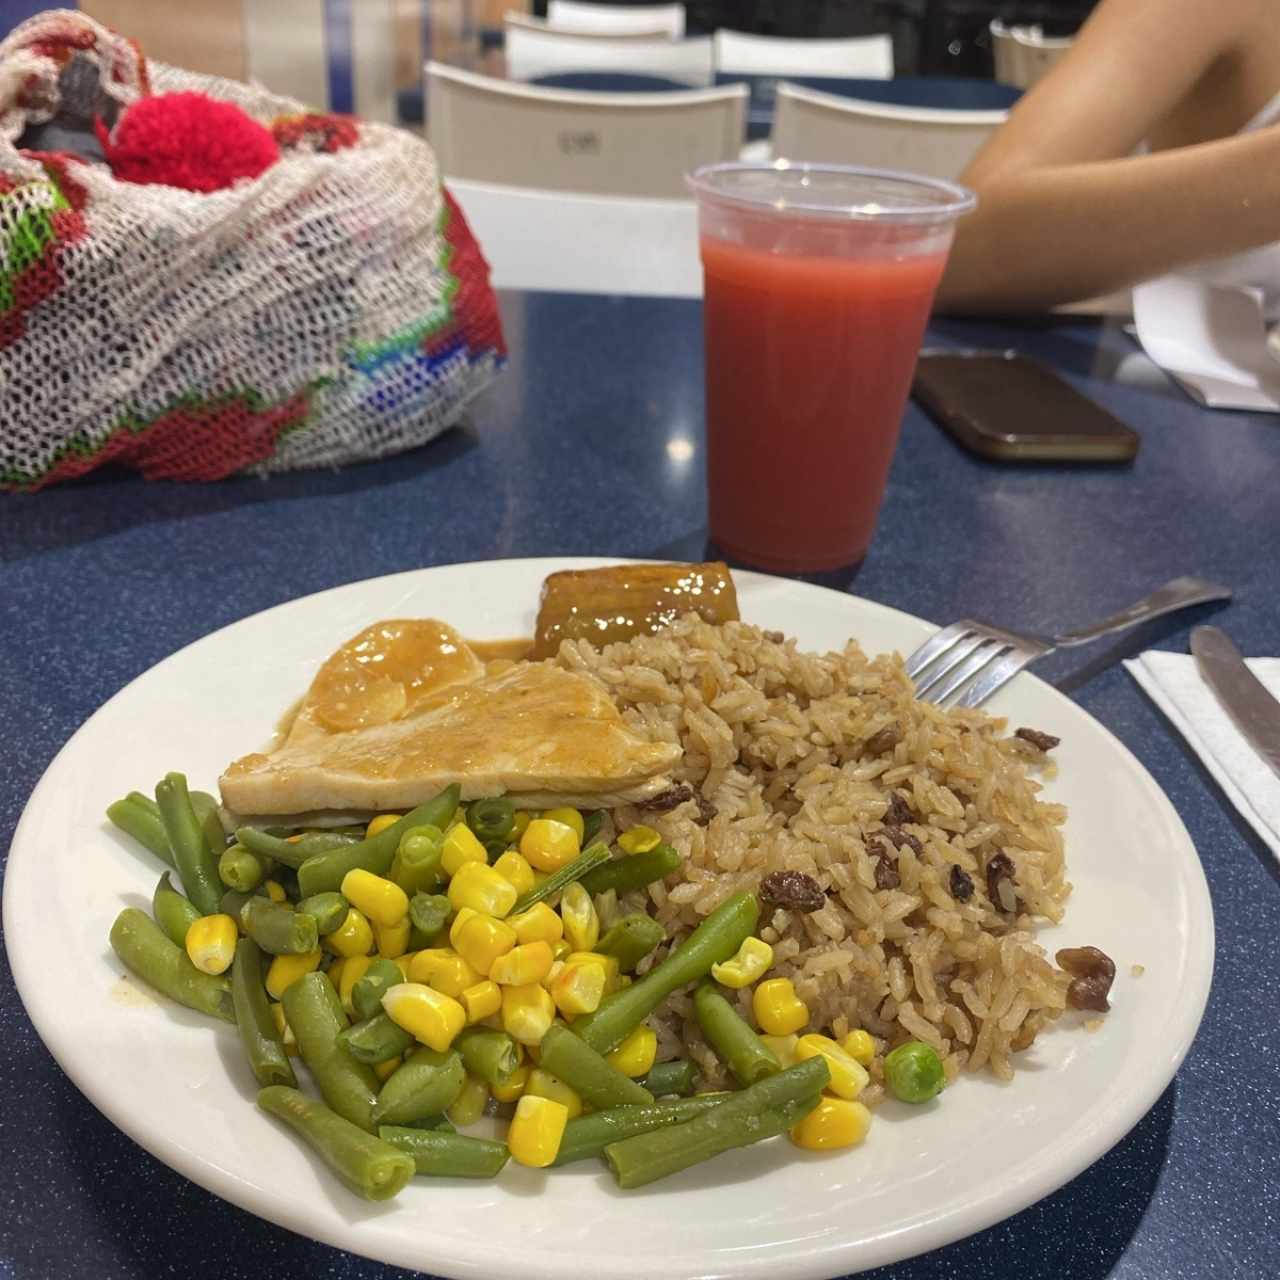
819,279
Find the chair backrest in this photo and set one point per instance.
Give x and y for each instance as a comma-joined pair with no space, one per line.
572,243
535,49
1024,55
866,56
569,140
813,126
574,15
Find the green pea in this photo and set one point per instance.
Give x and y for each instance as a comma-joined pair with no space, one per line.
913,1072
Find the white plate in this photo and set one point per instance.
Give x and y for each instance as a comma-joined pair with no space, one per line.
177,1085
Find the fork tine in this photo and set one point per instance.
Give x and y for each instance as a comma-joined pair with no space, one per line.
953,656
935,646
997,674
989,651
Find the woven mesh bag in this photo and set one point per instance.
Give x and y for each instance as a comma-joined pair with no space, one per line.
335,308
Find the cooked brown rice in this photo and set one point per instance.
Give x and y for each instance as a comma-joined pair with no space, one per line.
776,740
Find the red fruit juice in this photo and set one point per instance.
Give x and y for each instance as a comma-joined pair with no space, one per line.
809,362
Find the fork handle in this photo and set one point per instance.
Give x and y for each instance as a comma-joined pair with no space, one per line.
1177,594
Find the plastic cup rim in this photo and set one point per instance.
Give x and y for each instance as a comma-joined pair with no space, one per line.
961,201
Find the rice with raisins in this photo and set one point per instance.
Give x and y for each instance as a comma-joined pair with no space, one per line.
801,756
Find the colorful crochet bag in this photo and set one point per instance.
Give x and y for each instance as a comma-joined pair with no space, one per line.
333,308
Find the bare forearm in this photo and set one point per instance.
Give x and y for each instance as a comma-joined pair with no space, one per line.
1051,235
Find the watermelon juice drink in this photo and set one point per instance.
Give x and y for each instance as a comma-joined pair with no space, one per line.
818,284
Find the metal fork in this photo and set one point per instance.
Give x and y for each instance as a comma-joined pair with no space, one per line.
965,663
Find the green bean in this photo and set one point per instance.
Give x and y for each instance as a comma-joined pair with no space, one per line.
423,1085
195,860
557,880
588,1135
279,929
734,1041
293,853
210,819
144,950
591,824
716,939
597,1082
429,913
232,902
488,1054
312,1010
328,910
631,939
633,870
375,1039
679,1076
437,1154
325,871
760,1111
174,913
262,1045
492,819
139,816
369,1166
416,866
240,868
366,994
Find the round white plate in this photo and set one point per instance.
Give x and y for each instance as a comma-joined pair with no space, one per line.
923,1177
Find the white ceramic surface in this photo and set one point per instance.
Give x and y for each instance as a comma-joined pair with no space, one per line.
923,1178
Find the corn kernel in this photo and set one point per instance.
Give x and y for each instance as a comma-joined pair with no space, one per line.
753,961
274,890
779,1011
542,1084
469,1105
285,1031
578,988
848,1078
353,937
444,970
513,866
561,949
581,924
392,940
860,1047
380,824
511,1091
538,924
460,847
211,943
284,971
481,1000
527,1012
428,1015
832,1124
528,963
570,818
403,962
333,971
522,819
381,901
549,845
639,840
783,1048
480,887
637,1053
609,965
386,1068
536,1131
482,940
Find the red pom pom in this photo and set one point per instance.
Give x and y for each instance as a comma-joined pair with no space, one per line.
187,140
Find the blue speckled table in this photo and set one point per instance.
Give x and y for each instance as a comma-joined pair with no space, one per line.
572,453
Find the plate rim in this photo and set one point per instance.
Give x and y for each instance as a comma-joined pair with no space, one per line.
820,1259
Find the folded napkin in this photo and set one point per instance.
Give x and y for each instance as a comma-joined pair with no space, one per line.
1174,683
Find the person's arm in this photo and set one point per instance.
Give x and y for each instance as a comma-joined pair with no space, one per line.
1067,212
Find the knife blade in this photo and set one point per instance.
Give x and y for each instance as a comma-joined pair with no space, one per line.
1248,702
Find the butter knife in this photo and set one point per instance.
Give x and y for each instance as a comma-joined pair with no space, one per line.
1247,700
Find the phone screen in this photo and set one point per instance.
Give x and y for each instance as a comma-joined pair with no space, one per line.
1003,405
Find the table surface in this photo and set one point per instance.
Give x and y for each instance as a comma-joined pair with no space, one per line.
570,453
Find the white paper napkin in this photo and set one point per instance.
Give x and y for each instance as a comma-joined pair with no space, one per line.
1174,683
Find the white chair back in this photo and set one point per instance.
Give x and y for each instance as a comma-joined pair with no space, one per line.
1024,55
863,57
612,19
525,135
821,127
573,243
535,49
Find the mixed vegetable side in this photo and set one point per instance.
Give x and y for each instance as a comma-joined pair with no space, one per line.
451,959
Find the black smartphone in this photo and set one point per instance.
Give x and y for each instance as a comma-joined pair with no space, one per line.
1005,406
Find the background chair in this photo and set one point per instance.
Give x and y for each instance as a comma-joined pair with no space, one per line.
572,243
536,49
867,56
608,143
1024,55
822,127
574,15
